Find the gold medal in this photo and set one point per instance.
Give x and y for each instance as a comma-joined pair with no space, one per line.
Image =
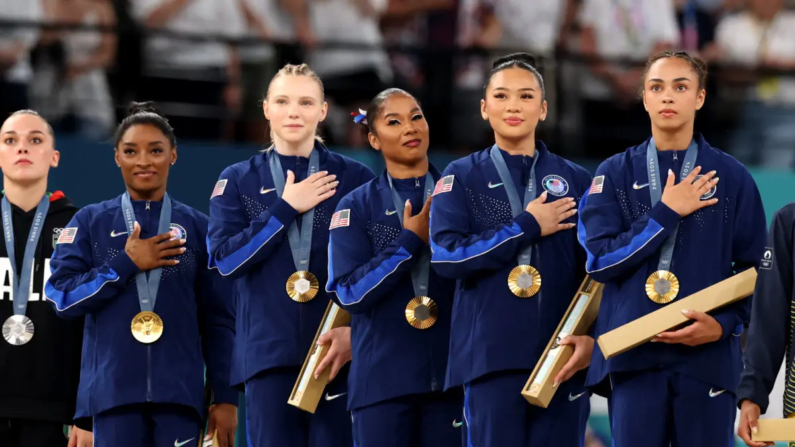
147,327
524,281
662,287
422,312
302,286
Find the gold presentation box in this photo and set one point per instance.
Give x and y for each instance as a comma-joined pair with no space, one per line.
645,328
308,390
577,321
775,430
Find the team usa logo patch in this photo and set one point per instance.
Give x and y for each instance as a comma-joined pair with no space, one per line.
67,235
597,186
340,219
709,194
555,185
178,232
219,188
445,184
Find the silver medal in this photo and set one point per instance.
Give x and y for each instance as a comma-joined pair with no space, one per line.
18,330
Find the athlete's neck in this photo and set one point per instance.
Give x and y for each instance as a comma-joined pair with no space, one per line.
152,195
522,146
673,140
25,196
300,149
402,171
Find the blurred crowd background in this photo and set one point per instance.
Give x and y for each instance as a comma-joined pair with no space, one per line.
208,63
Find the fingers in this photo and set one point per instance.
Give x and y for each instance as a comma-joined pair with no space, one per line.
323,364
565,226
707,186
671,179
72,437
326,195
167,262
564,204
407,211
691,178
680,336
172,252
231,436
542,198
290,179
171,244
324,339
325,187
704,179
322,175
696,315
136,231
211,426
566,372
706,203
336,366
426,207
223,438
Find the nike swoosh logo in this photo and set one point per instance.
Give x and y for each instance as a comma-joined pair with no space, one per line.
329,397
572,398
496,185
115,234
265,191
457,424
180,444
715,393
389,213
636,186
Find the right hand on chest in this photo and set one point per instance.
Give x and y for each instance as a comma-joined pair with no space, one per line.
151,253
305,195
685,197
551,215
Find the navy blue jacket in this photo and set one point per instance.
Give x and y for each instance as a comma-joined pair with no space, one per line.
770,335
623,235
475,239
93,277
247,239
370,272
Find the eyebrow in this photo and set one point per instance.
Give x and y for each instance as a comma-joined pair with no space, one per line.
675,80
521,89
31,132
415,109
130,143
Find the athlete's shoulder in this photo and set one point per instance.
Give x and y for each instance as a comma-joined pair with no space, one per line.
241,168
362,196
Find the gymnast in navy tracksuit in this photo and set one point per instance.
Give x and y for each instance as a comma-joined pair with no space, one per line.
380,271
680,389
499,247
269,227
147,341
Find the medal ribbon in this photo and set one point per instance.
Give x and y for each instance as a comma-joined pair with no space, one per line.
21,288
530,192
300,243
656,190
147,282
421,272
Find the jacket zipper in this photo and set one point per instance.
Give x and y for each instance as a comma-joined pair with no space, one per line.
148,347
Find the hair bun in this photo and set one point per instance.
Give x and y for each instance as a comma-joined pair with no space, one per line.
526,58
143,107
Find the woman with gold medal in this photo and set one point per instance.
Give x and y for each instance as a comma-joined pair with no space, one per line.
269,225
135,267
380,271
659,227
502,224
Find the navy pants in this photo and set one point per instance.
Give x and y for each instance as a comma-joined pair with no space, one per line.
418,420
498,416
661,408
148,425
271,422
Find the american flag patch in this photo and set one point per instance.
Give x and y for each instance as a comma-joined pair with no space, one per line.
219,188
445,184
597,185
67,236
340,219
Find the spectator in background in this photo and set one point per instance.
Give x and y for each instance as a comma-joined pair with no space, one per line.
73,93
15,46
196,82
762,37
351,76
614,30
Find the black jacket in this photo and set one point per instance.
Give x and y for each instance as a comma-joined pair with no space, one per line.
39,379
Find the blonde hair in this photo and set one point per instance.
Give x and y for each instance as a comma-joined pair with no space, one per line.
297,70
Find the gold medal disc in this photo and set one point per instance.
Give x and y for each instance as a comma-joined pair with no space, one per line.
302,286
524,281
662,287
422,312
147,327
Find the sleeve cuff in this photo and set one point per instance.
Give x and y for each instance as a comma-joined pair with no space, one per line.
664,216
411,242
282,211
747,391
226,395
86,424
123,266
529,225
728,322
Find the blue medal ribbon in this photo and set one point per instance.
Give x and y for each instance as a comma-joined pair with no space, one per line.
20,285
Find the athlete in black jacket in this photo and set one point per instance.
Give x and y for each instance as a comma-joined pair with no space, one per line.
39,352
